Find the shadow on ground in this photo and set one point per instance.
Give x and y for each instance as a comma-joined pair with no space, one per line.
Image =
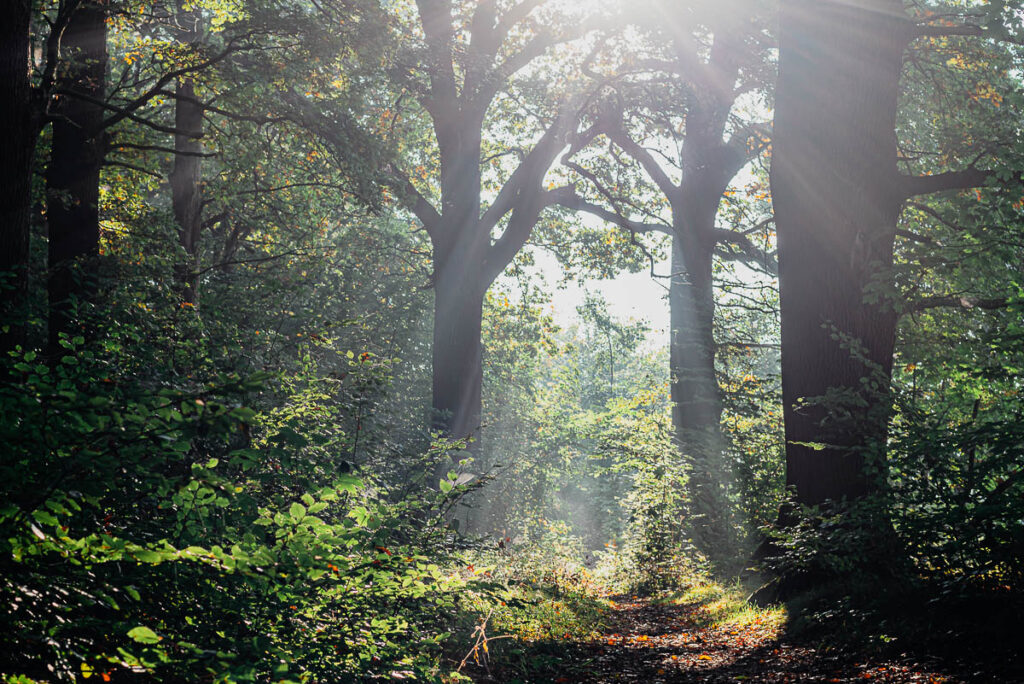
660,642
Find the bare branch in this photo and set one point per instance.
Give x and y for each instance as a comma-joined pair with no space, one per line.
124,111
530,170
436,19
132,167
939,31
517,232
159,148
923,239
620,137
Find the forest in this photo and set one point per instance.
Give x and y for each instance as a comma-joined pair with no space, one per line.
537,341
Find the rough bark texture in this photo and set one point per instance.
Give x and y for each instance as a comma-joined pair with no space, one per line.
457,352
20,125
186,195
72,177
834,181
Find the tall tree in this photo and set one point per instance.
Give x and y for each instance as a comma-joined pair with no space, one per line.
674,114
23,111
17,149
76,156
186,196
838,194
463,65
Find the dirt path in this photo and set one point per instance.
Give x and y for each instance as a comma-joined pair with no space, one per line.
659,642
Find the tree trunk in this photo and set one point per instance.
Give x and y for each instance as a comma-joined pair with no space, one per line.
696,398
72,177
833,185
20,124
458,319
708,167
460,249
186,197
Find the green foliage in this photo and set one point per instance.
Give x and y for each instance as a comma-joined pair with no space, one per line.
186,533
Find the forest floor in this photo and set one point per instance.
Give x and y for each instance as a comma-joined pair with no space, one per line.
679,639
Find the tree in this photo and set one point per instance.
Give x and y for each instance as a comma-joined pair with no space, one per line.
838,194
185,178
675,115
25,101
456,78
20,120
76,156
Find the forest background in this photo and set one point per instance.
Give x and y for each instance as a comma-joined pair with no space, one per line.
284,398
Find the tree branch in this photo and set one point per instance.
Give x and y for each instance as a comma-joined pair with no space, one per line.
414,201
650,165
912,186
938,31
570,200
749,252
124,111
159,148
531,170
958,302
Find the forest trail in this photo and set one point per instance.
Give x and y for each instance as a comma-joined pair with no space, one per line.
657,641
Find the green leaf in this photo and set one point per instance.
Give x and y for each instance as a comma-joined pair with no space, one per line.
148,556
144,635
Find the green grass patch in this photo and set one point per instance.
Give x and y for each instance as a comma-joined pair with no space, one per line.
725,606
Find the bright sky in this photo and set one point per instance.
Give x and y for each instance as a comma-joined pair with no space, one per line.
629,295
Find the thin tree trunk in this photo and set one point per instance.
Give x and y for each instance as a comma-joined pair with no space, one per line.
833,179
72,177
708,167
186,195
19,121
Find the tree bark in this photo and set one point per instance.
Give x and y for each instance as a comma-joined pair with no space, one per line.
696,399
186,194
20,122
457,353
708,165
72,177
833,181
460,245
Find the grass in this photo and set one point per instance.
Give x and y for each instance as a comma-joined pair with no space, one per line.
724,605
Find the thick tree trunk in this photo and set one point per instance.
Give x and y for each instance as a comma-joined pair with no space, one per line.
458,318
20,125
833,185
460,247
458,357
186,197
696,400
72,177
